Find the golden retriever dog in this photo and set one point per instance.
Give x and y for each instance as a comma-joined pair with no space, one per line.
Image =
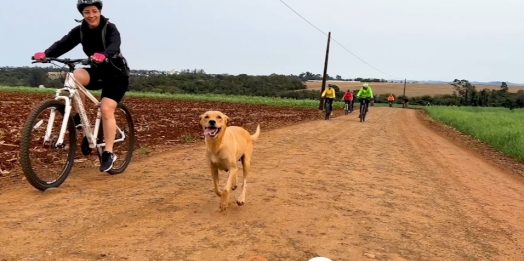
225,145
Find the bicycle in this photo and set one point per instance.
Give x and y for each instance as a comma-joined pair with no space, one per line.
346,107
92,135
363,109
327,109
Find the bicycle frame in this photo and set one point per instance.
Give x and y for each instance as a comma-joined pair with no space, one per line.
72,86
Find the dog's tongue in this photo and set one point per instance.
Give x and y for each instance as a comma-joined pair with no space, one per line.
209,131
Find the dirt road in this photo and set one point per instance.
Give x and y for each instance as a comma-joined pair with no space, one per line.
388,189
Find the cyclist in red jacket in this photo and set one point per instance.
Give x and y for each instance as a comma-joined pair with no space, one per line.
348,99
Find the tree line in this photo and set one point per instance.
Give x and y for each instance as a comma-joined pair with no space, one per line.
465,94
186,81
197,81
308,76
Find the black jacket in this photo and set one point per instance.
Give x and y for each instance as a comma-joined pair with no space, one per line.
92,43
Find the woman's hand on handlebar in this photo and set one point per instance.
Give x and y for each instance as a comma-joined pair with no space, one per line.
39,56
98,57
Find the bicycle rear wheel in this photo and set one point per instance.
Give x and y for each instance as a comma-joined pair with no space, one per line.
37,156
122,149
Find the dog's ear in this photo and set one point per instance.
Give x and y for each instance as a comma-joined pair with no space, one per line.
201,117
226,120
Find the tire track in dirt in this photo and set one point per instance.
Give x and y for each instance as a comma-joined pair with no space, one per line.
388,188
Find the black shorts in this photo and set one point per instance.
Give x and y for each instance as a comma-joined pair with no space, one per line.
113,87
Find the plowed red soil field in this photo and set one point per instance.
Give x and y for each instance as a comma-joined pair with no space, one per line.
159,124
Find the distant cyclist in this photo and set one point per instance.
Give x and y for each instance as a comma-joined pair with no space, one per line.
348,99
391,99
365,94
329,93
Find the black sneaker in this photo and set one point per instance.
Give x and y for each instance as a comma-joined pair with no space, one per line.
77,121
107,161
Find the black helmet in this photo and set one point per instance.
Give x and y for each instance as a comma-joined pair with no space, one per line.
81,4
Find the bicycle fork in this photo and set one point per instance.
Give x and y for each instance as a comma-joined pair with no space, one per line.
63,127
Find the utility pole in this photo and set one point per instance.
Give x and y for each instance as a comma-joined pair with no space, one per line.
320,106
404,88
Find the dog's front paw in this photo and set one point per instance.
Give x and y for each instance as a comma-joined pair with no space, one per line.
223,206
240,202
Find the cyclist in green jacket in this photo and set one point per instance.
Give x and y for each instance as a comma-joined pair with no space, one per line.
365,94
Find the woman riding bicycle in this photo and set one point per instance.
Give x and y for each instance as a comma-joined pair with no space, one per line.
364,95
111,74
330,93
348,100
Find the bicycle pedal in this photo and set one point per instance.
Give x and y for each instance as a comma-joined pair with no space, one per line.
86,150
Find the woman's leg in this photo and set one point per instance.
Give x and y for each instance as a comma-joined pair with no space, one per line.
112,94
82,76
108,107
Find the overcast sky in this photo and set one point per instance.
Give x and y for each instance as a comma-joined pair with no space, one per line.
478,40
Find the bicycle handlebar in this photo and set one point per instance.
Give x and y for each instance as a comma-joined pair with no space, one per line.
67,61
62,60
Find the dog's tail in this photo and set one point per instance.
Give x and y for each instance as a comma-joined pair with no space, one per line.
255,136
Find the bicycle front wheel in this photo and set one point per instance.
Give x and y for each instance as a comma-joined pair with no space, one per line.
326,110
45,163
362,111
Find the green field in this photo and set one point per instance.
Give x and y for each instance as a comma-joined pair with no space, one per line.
200,97
499,127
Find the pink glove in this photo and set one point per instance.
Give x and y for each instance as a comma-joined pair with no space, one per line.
98,57
39,55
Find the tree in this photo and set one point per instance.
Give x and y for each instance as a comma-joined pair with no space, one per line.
504,87
466,92
38,77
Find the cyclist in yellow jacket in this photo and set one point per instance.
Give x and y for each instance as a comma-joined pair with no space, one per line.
329,93
365,94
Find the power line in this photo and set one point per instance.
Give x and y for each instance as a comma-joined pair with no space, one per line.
337,42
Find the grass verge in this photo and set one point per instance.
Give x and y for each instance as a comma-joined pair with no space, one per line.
501,128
